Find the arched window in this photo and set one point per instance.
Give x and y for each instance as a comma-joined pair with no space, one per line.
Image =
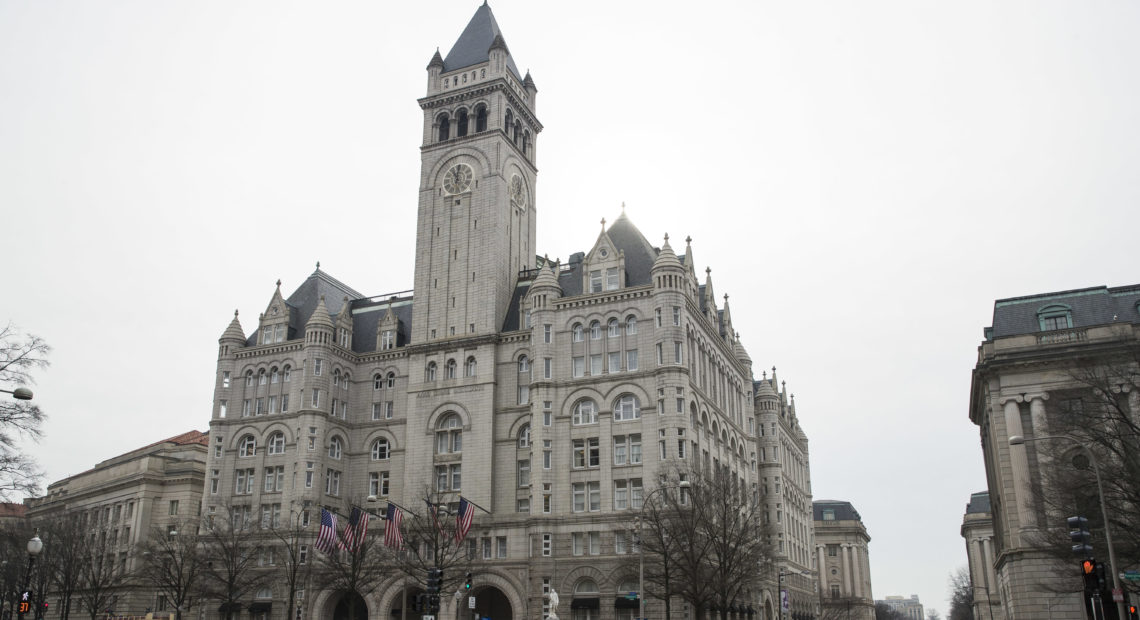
261,378
431,371
335,448
524,364
627,407
480,118
249,378
377,381
577,331
516,132
585,412
391,380
613,328
451,368
449,434
274,376
285,373
630,325
336,378
469,367
248,446
444,128
508,122
525,141
461,124
586,586
524,436
277,443
595,330
380,451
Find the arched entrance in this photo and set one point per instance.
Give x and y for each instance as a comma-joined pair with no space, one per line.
768,613
404,610
350,607
490,603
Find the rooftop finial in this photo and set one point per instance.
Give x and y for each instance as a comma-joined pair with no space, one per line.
726,298
623,206
603,223
278,282
689,240
666,237
708,271
765,375
318,264
235,313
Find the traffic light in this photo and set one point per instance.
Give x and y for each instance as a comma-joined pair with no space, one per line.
1132,615
467,583
25,604
1089,572
1079,534
434,580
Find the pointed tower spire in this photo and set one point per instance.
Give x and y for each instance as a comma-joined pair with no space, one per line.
320,316
233,331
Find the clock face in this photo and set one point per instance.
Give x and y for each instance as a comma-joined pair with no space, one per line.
518,192
458,179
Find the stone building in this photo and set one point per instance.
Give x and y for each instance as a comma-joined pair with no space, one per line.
553,393
910,608
844,564
978,530
126,499
1024,384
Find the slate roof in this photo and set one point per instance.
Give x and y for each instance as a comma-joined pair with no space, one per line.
1089,306
979,503
844,511
366,317
472,46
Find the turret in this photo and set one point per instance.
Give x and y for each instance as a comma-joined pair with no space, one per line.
497,55
319,329
434,69
667,271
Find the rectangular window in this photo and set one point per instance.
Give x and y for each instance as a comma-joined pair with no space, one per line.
578,496
284,403
225,378
579,367
332,482
596,364
677,353
546,454
173,507
222,406
614,362
662,455
676,315
524,472
547,545
660,357
657,316
612,281
547,503
621,545
635,494
621,495
680,448
272,404
318,364
486,548
214,480
594,490
595,452
620,450
317,393
522,505
634,449
547,367
260,406
631,360
578,543
246,405
594,542
303,554
524,394
377,411
596,281
547,333
501,547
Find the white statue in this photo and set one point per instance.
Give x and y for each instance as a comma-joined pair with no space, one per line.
553,598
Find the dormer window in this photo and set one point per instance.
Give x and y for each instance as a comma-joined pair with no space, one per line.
1056,316
612,280
271,334
387,340
596,281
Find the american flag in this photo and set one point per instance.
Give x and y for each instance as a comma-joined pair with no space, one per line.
392,536
327,540
356,529
434,516
463,519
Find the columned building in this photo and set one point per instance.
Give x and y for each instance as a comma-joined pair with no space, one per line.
555,393
978,530
910,608
1036,377
844,564
124,501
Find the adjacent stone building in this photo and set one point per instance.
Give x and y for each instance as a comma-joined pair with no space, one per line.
1025,383
978,530
910,608
552,392
126,499
844,564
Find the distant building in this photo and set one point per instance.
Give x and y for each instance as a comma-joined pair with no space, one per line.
844,565
978,530
1024,385
127,497
909,607
12,514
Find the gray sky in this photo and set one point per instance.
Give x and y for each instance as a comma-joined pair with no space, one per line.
863,178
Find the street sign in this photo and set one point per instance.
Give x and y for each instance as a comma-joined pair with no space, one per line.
1130,575
470,602
1118,595
428,617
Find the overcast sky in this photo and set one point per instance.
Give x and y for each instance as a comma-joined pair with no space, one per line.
863,178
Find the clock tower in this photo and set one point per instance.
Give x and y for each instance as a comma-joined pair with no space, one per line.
476,219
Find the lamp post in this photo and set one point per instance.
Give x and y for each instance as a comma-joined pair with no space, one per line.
1018,440
683,484
35,546
19,393
989,603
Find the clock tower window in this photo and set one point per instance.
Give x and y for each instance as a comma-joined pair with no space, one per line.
461,124
444,128
480,118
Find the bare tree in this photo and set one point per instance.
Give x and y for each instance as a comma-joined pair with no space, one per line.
295,567
430,543
707,543
172,561
101,574
841,608
230,557
884,612
961,595
354,572
20,355
65,552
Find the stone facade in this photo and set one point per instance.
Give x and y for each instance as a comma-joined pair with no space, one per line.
1024,380
910,608
127,498
844,564
978,530
554,394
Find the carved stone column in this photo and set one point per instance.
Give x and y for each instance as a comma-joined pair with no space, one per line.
1019,463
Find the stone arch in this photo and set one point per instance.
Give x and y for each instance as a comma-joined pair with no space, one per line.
479,161
626,388
247,429
566,587
518,424
381,433
447,407
274,427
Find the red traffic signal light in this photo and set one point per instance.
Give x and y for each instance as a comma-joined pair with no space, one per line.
1089,566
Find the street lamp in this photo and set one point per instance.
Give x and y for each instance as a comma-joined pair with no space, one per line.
1018,440
35,546
20,393
683,484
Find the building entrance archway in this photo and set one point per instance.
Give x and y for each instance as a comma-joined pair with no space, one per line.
490,603
351,606
404,610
